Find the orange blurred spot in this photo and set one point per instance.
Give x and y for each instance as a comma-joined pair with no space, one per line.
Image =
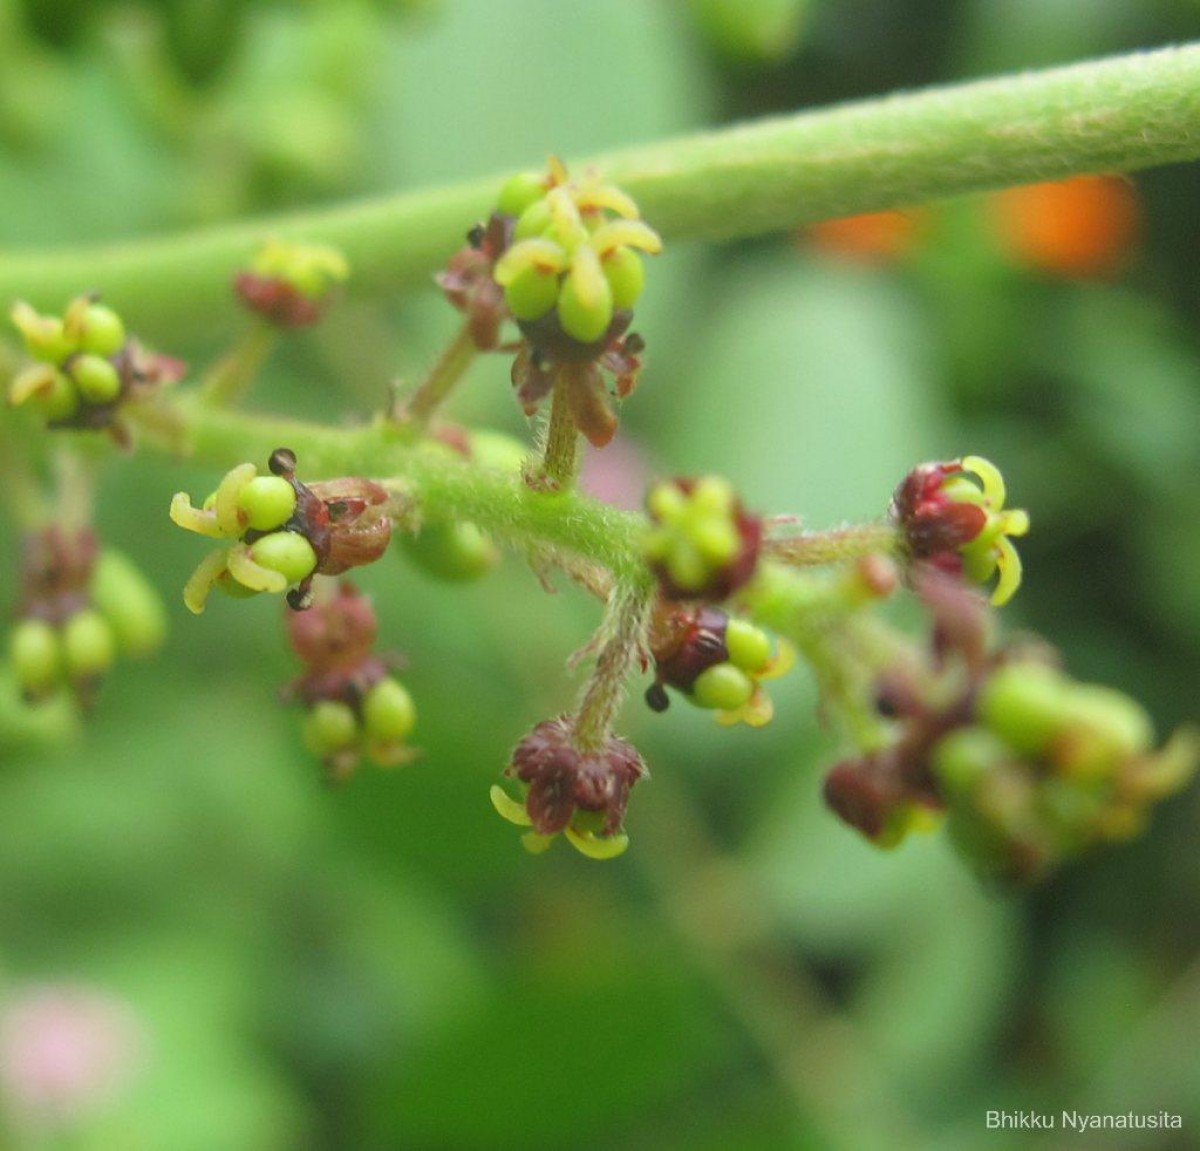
872,238
1083,227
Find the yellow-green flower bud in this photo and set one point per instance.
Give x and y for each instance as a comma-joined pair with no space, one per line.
96,378
452,551
531,293
749,647
534,221
519,192
389,714
1023,703
268,502
47,389
129,602
626,276
723,687
101,331
36,654
43,336
329,727
89,646
585,303
287,553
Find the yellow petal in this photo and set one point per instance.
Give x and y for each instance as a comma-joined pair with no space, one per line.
593,196
1008,563
989,475
230,517
781,663
200,583
1015,522
508,807
626,234
193,519
543,255
535,844
597,846
253,575
36,378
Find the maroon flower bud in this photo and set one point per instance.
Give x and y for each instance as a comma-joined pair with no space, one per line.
935,524
468,284
582,792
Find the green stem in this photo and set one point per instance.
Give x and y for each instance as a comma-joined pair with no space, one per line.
443,486
813,549
456,358
624,632
1118,114
231,377
560,456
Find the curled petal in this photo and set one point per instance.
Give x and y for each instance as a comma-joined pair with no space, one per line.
1015,522
989,475
509,808
194,519
34,379
231,519
780,663
540,255
1008,563
201,581
253,575
594,196
597,846
626,234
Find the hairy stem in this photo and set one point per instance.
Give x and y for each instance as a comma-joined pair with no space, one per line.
1118,114
456,358
623,632
560,456
836,546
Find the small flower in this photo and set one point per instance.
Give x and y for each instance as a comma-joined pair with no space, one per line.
703,544
285,531
86,367
79,608
354,706
468,283
564,788
571,270
292,285
716,661
952,515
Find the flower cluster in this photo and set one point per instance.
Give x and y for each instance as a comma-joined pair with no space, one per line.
702,544
86,366
292,285
952,515
283,531
354,706
1030,767
579,791
571,271
80,607
716,661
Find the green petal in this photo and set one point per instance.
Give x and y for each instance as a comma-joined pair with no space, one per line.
250,574
192,519
989,475
1008,563
198,586
596,846
230,516
508,807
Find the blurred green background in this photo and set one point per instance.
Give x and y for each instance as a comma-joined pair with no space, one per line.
381,966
